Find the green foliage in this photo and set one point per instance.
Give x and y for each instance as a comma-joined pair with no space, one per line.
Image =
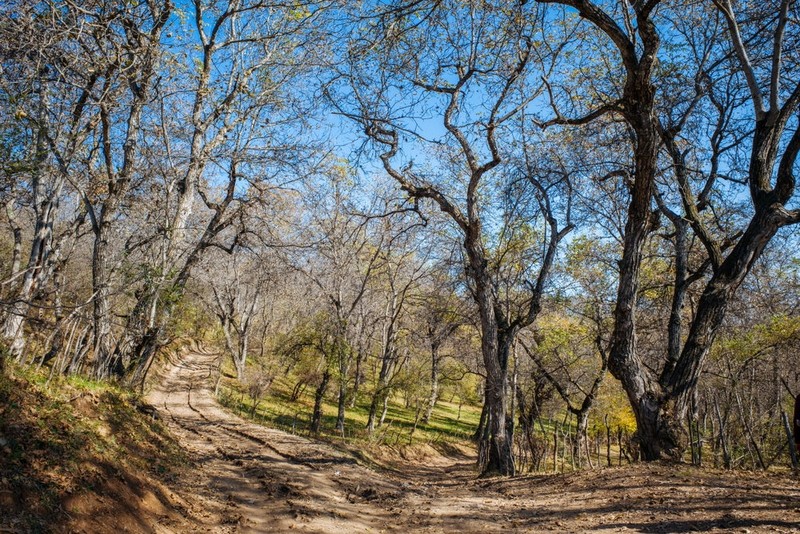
563,334
612,407
455,382
192,320
588,264
747,343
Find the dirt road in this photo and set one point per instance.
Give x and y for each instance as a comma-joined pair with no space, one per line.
253,479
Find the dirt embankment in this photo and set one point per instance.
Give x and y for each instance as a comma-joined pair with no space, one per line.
241,477
80,456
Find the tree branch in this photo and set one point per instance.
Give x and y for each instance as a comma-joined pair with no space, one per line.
724,6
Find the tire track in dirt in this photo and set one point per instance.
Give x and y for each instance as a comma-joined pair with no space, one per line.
250,478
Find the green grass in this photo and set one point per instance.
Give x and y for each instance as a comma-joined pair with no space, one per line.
449,423
278,410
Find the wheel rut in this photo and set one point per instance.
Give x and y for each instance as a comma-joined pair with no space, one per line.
250,478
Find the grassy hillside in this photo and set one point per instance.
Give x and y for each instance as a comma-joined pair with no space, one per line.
451,423
79,455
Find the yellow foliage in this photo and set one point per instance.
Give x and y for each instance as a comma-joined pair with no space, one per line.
611,402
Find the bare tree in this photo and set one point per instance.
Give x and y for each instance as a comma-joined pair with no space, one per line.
402,267
443,314
635,39
662,398
476,76
238,292
563,363
771,180
346,261
55,85
242,104
138,46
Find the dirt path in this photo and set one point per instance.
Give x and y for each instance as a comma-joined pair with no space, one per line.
253,479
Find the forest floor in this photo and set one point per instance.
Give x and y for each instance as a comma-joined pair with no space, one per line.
248,478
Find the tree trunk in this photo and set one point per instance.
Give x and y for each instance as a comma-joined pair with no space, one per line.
655,437
101,308
381,392
581,428
342,401
316,415
243,348
38,268
659,433
479,431
358,379
495,449
13,328
373,410
16,254
385,409
46,197
792,442
796,423
434,397
674,328
142,358
711,308
661,406
638,109
723,443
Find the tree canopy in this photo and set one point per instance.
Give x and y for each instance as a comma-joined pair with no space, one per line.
493,202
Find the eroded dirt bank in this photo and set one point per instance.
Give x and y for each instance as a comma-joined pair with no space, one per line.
252,479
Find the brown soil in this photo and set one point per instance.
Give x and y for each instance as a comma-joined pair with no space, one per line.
77,460
253,479
244,478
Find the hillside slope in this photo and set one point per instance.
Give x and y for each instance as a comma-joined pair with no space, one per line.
82,456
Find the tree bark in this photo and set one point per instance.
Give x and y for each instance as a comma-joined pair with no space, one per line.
39,265
319,394
793,446
143,356
388,360
655,437
16,232
342,401
479,430
46,199
711,308
796,424
495,445
434,396
101,309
